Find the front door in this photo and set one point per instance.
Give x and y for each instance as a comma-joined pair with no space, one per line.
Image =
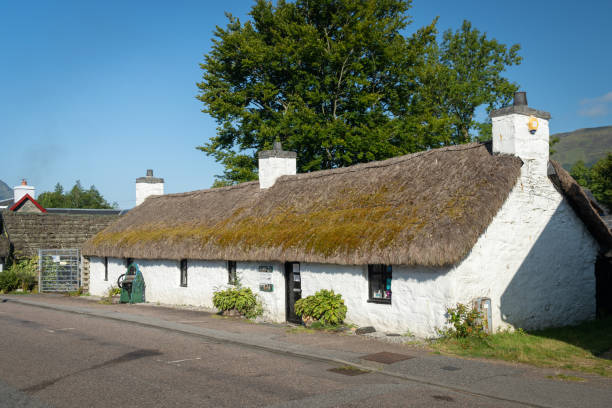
293,287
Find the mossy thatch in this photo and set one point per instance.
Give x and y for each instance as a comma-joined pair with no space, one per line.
426,208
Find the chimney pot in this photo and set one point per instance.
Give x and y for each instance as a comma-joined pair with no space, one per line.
149,173
278,146
520,99
24,182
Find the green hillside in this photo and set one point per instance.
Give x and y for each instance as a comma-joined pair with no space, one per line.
588,145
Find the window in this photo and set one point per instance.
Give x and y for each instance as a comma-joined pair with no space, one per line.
184,272
379,278
105,268
232,279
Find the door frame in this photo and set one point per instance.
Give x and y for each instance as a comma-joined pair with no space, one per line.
293,291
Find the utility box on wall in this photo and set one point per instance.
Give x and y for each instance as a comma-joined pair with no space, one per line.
483,306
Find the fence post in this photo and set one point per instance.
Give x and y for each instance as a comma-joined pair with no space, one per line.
39,271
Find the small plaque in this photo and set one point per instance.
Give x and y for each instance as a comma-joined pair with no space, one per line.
265,278
266,287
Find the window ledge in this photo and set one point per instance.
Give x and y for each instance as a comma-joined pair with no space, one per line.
382,301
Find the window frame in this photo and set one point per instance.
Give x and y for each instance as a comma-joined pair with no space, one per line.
106,269
232,280
184,267
386,272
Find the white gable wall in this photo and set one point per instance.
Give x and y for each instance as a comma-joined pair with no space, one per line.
535,261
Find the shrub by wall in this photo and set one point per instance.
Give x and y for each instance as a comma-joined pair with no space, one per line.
324,306
243,300
20,275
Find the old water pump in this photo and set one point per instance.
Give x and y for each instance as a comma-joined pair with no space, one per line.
132,285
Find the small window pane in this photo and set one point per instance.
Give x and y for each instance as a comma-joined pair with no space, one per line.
379,277
231,273
184,272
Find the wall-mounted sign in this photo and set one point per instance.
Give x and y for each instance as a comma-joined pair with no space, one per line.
265,278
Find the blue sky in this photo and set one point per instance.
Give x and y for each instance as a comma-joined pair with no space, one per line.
102,90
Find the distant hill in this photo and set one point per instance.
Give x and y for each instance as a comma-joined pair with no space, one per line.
5,191
588,145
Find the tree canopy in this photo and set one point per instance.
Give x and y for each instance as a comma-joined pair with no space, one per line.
339,82
598,179
77,197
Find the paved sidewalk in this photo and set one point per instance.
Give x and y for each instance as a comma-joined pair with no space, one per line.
516,383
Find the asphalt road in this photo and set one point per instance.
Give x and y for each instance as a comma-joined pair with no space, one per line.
52,358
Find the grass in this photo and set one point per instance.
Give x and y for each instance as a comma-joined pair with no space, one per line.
572,348
564,377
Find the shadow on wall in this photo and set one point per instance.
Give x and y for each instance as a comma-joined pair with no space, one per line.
555,284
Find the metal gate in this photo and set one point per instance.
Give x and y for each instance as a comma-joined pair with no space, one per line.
60,270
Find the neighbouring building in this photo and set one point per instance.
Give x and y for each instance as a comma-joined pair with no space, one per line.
401,239
26,227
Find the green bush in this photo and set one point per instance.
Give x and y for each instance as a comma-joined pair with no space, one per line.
20,275
243,300
465,322
324,306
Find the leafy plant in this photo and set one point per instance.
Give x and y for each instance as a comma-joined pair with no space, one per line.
108,298
243,300
324,306
465,322
21,274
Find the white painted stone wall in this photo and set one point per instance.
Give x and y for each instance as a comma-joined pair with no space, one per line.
143,190
97,285
162,282
271,168
535,261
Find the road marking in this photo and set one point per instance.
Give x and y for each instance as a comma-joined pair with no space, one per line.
56,330
179,361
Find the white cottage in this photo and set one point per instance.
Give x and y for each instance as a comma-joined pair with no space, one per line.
400,239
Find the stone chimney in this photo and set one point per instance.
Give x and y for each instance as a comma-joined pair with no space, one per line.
523,132
23,189
147,186
275,163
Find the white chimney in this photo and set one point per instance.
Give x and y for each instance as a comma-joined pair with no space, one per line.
275,163
147,186
23,189
522,131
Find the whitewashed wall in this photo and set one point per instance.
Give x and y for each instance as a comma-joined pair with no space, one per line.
162,282
535,261
97,285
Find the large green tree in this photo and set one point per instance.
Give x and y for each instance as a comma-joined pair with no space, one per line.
598,179
77,197
339,82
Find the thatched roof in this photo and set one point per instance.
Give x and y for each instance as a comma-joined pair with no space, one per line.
586,208
426,208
